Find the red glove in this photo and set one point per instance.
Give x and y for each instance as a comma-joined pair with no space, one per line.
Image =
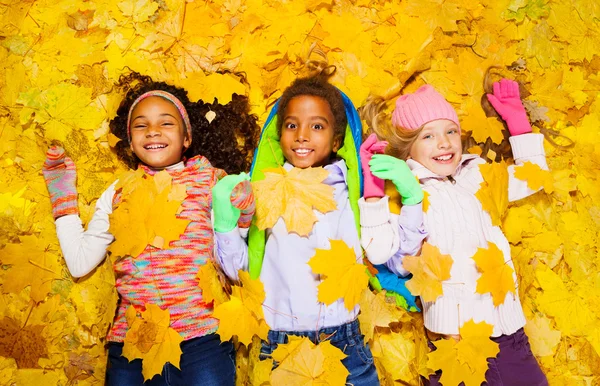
507,102
373,186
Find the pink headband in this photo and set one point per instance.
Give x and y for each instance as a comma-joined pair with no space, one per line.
165,95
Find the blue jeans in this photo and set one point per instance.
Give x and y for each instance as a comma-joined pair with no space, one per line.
204,361
347,337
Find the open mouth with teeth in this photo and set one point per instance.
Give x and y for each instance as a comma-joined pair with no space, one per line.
302,152
444,158
155,146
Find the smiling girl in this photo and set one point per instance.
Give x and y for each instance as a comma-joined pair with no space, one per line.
160,129
425,136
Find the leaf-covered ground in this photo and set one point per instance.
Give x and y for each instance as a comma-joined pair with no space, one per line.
60,59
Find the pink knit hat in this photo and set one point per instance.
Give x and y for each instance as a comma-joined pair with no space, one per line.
424,105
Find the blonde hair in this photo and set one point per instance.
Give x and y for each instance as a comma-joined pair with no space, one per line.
379,122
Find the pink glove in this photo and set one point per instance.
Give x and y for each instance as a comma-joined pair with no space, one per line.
373,185
507,102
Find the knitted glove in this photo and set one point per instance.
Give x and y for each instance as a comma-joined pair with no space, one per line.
507,102
390,168
397,285
226,214
60,176
243,199
373,186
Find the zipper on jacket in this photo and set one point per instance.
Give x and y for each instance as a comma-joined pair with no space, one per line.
451,179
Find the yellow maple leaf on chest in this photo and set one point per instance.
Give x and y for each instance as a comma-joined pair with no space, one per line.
292,195
151,339
147,215
429,270
303,363
535,176
493,191
344,276
497,275
464,360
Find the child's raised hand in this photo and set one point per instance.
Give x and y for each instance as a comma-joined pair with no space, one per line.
507,102
60,176
390,168
226,214
373,186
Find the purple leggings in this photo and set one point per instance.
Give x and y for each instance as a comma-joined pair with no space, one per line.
515,364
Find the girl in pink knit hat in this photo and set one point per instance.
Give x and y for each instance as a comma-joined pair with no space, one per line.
425,138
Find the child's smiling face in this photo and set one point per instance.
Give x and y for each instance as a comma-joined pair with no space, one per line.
307,132
158,136
438,147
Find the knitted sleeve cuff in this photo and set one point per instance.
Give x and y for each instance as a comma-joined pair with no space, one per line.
374,213
527,145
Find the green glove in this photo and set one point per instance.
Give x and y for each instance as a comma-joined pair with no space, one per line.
226,215
390,168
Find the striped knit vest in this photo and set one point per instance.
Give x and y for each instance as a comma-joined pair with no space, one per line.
167,277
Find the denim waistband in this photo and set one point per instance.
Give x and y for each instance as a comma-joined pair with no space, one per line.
349,331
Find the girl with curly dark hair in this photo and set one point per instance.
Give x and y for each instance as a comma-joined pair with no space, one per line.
313,124
160,131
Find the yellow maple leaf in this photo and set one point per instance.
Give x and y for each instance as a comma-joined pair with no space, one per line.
375,312
397,354
535,176
303,363
493,191
242,314
211,283
236,319
150,339
570,311
292,195
464,360
497,275
147,216
542,336
345,277
34,263
429,270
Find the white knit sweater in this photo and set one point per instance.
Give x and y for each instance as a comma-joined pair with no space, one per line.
457,224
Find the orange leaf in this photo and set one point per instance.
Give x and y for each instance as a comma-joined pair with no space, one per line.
535,176
429,270
292,196
493,191
345,277
25,344
497,275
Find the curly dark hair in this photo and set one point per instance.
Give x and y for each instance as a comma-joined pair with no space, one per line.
228,142
316,86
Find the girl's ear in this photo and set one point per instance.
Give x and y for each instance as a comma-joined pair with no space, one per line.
337,143
187,140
